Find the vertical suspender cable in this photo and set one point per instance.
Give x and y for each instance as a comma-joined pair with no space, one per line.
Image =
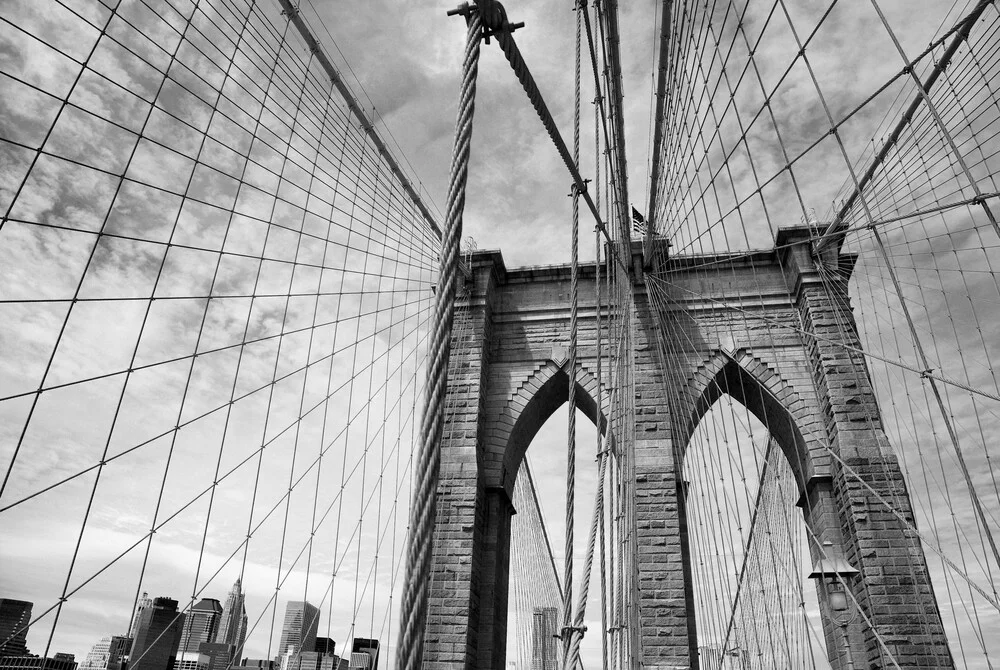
413,607
567,633
600,404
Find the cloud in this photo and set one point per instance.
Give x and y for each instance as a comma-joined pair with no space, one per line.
186,359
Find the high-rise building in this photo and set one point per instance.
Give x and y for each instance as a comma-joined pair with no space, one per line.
144,602
110,653
544,647
364,653
233,625
157,636
14,618
299,630
201,625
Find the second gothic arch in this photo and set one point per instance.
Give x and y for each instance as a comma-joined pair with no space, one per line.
761,390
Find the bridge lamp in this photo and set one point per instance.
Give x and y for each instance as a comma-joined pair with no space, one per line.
832,575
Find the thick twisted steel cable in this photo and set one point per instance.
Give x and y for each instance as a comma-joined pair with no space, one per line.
570,635
600,404
413,609
581,607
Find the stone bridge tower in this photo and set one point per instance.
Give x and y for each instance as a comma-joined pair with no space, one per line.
786,363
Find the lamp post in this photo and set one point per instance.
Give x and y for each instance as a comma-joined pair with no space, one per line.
833,575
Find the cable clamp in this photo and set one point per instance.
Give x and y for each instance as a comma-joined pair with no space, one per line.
464,9
291,12
575,190
494,22
927,374
570,629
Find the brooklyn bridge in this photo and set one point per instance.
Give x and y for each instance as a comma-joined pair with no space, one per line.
674,351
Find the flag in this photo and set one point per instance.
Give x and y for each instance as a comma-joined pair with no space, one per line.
638,223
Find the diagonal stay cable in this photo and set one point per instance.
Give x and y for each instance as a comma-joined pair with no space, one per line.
502,32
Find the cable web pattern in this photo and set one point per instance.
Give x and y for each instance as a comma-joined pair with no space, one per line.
213,306
217,291
886,156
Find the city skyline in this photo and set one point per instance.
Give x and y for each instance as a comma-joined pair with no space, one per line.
166,637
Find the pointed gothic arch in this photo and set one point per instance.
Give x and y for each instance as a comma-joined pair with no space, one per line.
759,388
532,404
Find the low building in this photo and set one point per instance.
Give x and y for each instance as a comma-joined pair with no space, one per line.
362,647
256,664
57,662
189,660
109,653
219,654
312,660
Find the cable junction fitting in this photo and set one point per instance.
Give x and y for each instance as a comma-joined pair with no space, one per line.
574,190
493,15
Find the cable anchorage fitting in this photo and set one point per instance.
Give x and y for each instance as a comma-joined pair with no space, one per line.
493,14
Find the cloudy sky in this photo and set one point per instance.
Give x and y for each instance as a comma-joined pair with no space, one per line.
237,405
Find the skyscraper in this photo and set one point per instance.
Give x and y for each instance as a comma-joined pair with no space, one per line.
157,636
14,618
144,602
201,625
299,630
233,625
108,653
544,648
